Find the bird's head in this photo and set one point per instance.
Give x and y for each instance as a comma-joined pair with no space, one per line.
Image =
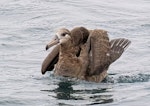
62,36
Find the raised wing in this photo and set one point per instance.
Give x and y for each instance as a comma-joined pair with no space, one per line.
99,47
118,46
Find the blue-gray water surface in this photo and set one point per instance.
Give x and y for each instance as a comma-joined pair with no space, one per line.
26,26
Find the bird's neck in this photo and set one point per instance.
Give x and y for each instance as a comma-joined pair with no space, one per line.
66,48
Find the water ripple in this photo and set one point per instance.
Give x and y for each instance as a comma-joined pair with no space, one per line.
27,26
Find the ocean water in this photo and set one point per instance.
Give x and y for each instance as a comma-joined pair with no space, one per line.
26,26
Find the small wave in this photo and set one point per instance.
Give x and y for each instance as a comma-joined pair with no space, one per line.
146,25
128,78
36,29
111,78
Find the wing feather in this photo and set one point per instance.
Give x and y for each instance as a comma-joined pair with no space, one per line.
50,60
100,47
118,46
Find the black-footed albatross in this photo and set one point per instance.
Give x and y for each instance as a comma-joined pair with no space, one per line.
80,34
72,52
95,56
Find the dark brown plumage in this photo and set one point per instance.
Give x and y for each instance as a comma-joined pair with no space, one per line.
100,47
85,60
69,63
50,60
79,35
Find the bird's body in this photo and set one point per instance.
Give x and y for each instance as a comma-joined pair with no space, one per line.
73,57
69,64
86,54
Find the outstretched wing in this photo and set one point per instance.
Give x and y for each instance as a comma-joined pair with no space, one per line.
118,46
50,60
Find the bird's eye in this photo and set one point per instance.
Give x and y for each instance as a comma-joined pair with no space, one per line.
63,34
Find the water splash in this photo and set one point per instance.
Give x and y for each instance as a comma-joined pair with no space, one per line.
127,78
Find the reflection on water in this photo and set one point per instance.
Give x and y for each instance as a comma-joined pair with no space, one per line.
65,91
91,93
